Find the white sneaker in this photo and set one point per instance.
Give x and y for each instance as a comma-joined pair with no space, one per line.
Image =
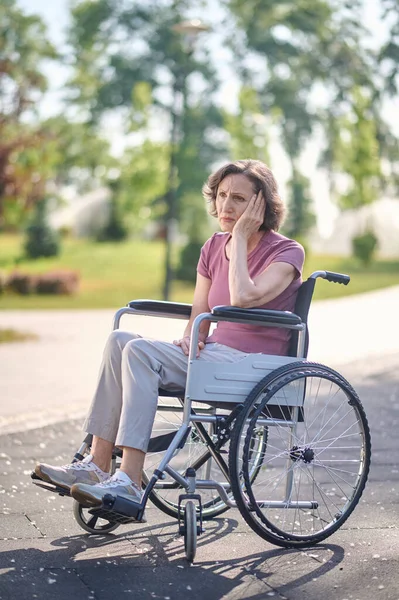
119,484
83,471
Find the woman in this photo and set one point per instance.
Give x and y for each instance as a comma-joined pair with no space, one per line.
248,265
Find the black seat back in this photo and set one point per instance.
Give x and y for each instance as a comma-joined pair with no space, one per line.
302,306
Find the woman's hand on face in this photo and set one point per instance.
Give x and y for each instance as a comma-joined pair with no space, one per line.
184,344
252,217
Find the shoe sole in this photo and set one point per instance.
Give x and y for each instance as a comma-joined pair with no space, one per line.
86,502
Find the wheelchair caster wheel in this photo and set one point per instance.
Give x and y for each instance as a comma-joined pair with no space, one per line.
92,523
190,531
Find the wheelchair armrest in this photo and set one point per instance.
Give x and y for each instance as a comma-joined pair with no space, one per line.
278,317
161,307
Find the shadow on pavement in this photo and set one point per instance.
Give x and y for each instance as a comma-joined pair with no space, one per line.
149,562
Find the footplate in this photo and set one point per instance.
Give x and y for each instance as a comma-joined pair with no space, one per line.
111,516
51,487
121,507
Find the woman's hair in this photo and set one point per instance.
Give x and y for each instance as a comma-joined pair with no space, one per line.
262,179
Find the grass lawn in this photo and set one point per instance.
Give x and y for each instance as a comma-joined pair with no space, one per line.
114,273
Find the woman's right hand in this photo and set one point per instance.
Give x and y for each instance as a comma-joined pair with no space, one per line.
184,344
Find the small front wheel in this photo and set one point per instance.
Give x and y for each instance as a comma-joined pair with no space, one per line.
190,531
91,522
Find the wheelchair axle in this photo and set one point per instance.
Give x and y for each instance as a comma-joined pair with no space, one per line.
306,454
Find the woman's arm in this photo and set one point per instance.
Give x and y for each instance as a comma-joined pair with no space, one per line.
200,305
248,293
244,291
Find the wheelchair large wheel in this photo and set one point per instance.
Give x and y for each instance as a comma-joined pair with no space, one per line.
317,458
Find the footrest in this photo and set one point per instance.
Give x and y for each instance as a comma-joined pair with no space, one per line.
111,516
51,487
122,507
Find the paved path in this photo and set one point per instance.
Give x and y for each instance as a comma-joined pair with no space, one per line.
45,555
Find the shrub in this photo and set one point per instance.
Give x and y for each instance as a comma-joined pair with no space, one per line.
115,230
53,282
21,283
41,239
58,282
364,247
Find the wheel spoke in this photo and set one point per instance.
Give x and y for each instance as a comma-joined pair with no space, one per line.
92,522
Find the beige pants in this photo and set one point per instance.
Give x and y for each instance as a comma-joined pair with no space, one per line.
133,368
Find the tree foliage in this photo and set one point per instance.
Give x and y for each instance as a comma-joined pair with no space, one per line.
129,60
25,157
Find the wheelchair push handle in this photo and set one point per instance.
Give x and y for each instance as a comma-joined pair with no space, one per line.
337,277
330,276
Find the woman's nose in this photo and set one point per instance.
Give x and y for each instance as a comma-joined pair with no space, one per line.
227,203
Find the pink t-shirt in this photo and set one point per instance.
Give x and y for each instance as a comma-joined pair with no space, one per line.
214,265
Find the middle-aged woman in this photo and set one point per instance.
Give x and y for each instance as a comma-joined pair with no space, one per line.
248,264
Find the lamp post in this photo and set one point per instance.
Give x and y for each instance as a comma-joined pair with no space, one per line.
190,29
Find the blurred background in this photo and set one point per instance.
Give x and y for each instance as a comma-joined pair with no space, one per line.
114,112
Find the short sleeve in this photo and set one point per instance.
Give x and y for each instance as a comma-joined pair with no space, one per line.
293,253
203,267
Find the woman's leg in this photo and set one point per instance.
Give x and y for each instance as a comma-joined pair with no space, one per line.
147,365
133,463
102,421
103,417
101,451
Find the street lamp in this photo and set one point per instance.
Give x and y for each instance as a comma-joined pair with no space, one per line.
190,29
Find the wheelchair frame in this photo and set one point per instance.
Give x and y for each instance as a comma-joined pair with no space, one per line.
119,510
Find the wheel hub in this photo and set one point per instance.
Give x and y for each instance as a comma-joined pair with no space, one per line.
306,454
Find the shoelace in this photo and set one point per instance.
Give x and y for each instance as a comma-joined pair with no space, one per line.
84,465
115,480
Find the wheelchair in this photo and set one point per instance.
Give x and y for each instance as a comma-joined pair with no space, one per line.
284,440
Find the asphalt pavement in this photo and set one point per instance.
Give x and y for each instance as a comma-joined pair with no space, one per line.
43,552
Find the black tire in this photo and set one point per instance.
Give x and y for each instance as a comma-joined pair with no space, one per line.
190,531
326,455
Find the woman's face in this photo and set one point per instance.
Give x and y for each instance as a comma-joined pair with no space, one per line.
234,193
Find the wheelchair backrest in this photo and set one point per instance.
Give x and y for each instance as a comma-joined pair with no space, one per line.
302,305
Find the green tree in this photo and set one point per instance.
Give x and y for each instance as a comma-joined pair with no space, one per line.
388,55
130,60
301,217
41,239
81,156
247,128
25,150
305,50
356,154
